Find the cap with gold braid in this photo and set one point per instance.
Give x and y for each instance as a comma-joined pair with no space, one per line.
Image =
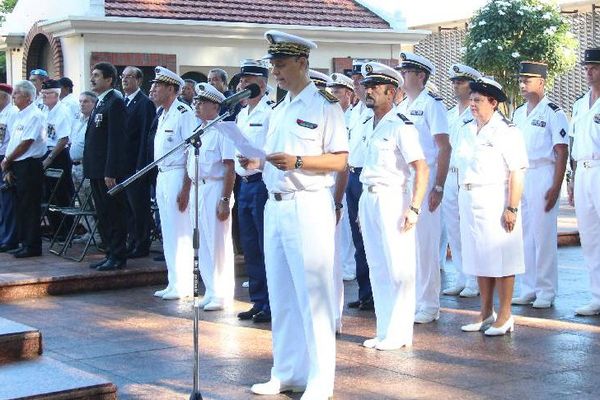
341,80
167,76
283,44
380,74
412,60
533,69
208,92
320,79
461,71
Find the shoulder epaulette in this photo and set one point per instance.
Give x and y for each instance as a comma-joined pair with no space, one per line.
328,96
269,102
182,109
367,120
580,97
507,121
405,119
435,96
554,107
520,106
466,121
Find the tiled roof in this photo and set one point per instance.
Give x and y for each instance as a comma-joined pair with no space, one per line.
333,13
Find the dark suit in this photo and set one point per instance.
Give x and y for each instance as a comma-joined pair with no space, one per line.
140,114
105,155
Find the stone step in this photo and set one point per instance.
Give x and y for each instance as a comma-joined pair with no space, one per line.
18,341
47,379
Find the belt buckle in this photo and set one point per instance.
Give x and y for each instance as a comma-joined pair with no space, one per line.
468,186
245,179
277,196
586,164
372,189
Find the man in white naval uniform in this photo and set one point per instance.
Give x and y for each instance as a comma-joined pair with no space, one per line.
253,120
585,129
460,114
175,124
306,143
389,209
216,177
428,113
342,88
544,127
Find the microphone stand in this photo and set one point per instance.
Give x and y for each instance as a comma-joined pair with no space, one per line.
195,141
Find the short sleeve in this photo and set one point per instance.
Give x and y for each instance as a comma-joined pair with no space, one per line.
408,143
335,137
228,148
513,149
560,128
34,127
438,118
63,124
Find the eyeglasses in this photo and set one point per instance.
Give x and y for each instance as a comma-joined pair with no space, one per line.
123,77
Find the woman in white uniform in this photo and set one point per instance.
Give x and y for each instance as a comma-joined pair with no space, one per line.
215,180
491,159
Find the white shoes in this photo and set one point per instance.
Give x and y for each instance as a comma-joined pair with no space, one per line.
453,291
481,325
541,303
370,343
387,344
214,305
425,317
589,309
522,300
274,387
509,326
349,277
161,293
469,292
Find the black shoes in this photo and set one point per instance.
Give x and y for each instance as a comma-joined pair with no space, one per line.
112,264
261,316
363,305
26,252
15,250
246,315
96,264
138,253
8,247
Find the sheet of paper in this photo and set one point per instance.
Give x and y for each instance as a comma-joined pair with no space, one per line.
240,140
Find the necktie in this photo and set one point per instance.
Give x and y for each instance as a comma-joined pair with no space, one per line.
126,101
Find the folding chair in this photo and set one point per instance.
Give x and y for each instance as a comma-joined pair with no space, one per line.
75,203
53,173
83,212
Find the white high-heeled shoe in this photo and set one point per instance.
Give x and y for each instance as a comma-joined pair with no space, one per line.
509,326
481,325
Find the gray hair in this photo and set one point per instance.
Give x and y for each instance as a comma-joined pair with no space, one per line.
190,81
26,87
89,94
222,74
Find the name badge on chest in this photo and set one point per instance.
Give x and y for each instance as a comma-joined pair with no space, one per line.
537,122
597,118
416,112
2,132
306,124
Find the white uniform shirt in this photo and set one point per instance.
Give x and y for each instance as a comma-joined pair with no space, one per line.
357,139
455,122
39,103
429,115
215,148
72,104
488,157
254,125
5,118
585,129
77,138
390,148
58,124
174,126
308,125
544,127
28,124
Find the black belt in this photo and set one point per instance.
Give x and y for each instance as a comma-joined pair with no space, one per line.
76,162
252,178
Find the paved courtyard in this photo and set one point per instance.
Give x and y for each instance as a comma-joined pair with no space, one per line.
144,345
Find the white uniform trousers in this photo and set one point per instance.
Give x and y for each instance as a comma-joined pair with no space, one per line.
344,256
428,232
391,255
587,209
215,253
540,279
176,232
451,220
299,253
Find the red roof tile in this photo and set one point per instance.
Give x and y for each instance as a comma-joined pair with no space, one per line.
334,13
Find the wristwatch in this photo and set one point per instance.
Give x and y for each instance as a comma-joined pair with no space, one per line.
438,188
299,162
338,206
414,209
513,210
225,199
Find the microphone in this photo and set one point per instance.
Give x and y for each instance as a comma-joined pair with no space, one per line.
251,92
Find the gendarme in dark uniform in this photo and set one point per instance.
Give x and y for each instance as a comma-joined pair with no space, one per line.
104,164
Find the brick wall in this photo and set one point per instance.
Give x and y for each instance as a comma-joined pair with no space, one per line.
136,59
